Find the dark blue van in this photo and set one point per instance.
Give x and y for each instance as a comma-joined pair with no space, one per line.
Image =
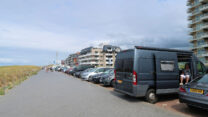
147,72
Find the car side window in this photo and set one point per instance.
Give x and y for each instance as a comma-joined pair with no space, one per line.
200,68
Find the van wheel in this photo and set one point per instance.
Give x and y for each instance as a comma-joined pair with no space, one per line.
151,96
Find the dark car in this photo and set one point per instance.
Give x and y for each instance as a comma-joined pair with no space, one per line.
149,72
78,74
72,71
108,79
195,93
96,78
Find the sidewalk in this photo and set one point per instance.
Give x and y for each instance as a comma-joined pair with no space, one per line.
171,102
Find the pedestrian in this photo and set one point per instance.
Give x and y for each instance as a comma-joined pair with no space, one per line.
185,75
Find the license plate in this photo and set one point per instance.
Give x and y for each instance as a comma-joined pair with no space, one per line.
119,81
197,91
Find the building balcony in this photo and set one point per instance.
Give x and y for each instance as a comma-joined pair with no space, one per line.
205,26
89,58
193,40
109,63
192,31
194,48
204,8
203,1
195,13
204,45
89,54
109,54
193,22
204,18
204,55
204,36
189,10
193,5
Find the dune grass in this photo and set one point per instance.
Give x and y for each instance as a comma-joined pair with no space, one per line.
14,75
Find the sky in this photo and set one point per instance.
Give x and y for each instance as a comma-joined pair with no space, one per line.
32,31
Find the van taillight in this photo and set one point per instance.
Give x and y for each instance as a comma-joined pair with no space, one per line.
114,75
182,90
134,78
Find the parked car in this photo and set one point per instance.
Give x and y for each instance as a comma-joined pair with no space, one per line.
148,72
58,68
195,93
85,71
64,69
108,79
96,77
87,75
80,68
69,70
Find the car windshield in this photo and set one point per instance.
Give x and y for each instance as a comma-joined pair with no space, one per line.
99,70
87,70
108,71
111,71
203,79
92,70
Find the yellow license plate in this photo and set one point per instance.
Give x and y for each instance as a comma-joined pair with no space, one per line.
197,91
119,81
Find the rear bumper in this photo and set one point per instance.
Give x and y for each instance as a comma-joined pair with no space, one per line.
137,91
193,100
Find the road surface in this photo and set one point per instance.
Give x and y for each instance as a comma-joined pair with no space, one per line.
56,94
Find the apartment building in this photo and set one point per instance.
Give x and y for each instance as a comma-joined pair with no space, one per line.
109,55
72,59
198,16
99,56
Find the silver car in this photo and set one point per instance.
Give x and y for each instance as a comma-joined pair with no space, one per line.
87,75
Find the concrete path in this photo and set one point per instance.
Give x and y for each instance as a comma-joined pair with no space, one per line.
56,94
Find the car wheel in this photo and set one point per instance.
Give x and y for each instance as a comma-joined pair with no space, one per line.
112,83
151,96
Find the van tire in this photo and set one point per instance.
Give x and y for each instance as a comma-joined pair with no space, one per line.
151,96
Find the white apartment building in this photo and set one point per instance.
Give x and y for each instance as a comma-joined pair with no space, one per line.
99,56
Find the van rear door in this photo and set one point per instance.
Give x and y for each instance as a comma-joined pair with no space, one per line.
124,71
167,73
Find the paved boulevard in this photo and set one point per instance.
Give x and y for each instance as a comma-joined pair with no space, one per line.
56,94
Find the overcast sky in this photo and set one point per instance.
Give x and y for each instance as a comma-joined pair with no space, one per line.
31,31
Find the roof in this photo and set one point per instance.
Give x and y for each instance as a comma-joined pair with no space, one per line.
162,49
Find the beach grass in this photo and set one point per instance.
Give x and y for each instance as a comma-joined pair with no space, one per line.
14,75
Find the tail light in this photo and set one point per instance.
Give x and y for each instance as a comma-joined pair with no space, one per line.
182,90
114,75
134,78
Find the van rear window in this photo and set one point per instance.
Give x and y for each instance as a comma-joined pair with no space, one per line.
128,65
124,65
119,65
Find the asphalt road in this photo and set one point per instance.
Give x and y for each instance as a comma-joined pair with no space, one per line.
60,95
